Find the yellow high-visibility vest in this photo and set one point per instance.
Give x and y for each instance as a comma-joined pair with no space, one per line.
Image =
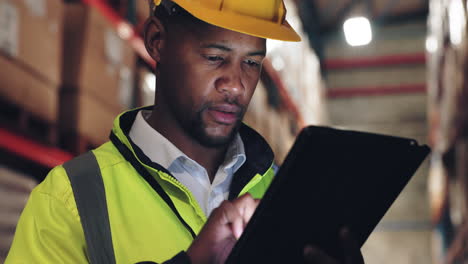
143,226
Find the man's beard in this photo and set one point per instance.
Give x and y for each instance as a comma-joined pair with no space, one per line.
197,130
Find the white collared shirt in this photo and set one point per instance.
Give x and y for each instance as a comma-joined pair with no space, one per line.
187,171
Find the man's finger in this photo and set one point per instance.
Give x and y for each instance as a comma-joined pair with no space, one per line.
250,209
351,248
313,255
246,206
232,216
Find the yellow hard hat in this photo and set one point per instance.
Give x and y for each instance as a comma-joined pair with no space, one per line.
260,18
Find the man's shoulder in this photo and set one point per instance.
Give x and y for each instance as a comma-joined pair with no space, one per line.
57,183
54,190
108,155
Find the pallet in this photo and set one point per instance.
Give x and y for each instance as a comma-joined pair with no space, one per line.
24,122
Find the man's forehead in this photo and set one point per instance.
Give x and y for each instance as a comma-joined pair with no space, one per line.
252,48
228,46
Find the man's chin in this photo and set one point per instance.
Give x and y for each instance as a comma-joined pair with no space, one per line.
215,141
213,138
212,134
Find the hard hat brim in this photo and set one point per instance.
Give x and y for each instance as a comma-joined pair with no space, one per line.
241,23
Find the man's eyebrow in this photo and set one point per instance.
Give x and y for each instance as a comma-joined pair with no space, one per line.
258,53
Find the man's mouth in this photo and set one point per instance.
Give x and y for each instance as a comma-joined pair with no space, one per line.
225,114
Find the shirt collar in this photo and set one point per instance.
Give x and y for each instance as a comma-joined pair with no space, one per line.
235,155
160,150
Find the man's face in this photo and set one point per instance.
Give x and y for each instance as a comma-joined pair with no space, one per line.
208,76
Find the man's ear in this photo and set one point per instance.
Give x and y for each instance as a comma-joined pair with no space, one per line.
155,34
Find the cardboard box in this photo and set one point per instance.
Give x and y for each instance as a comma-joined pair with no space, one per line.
96,59
28,90
84,116
31,33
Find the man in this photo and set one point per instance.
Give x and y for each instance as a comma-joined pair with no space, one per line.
190,146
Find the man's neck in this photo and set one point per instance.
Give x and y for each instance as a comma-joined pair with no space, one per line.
209,158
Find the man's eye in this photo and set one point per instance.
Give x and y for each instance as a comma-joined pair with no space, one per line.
252,63
214,58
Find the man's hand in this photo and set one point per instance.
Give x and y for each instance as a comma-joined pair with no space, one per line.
351,250
222,230
226,224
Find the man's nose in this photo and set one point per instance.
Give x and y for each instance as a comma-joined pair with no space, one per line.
230,82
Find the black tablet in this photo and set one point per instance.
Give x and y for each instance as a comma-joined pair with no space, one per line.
331,178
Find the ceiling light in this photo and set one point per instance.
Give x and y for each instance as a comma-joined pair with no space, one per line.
357,31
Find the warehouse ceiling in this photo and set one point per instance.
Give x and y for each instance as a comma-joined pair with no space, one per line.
324,17
330,14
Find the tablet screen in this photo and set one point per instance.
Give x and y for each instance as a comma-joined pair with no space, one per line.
331,178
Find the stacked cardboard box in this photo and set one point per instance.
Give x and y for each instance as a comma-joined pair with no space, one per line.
64,63
30,55
98,75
